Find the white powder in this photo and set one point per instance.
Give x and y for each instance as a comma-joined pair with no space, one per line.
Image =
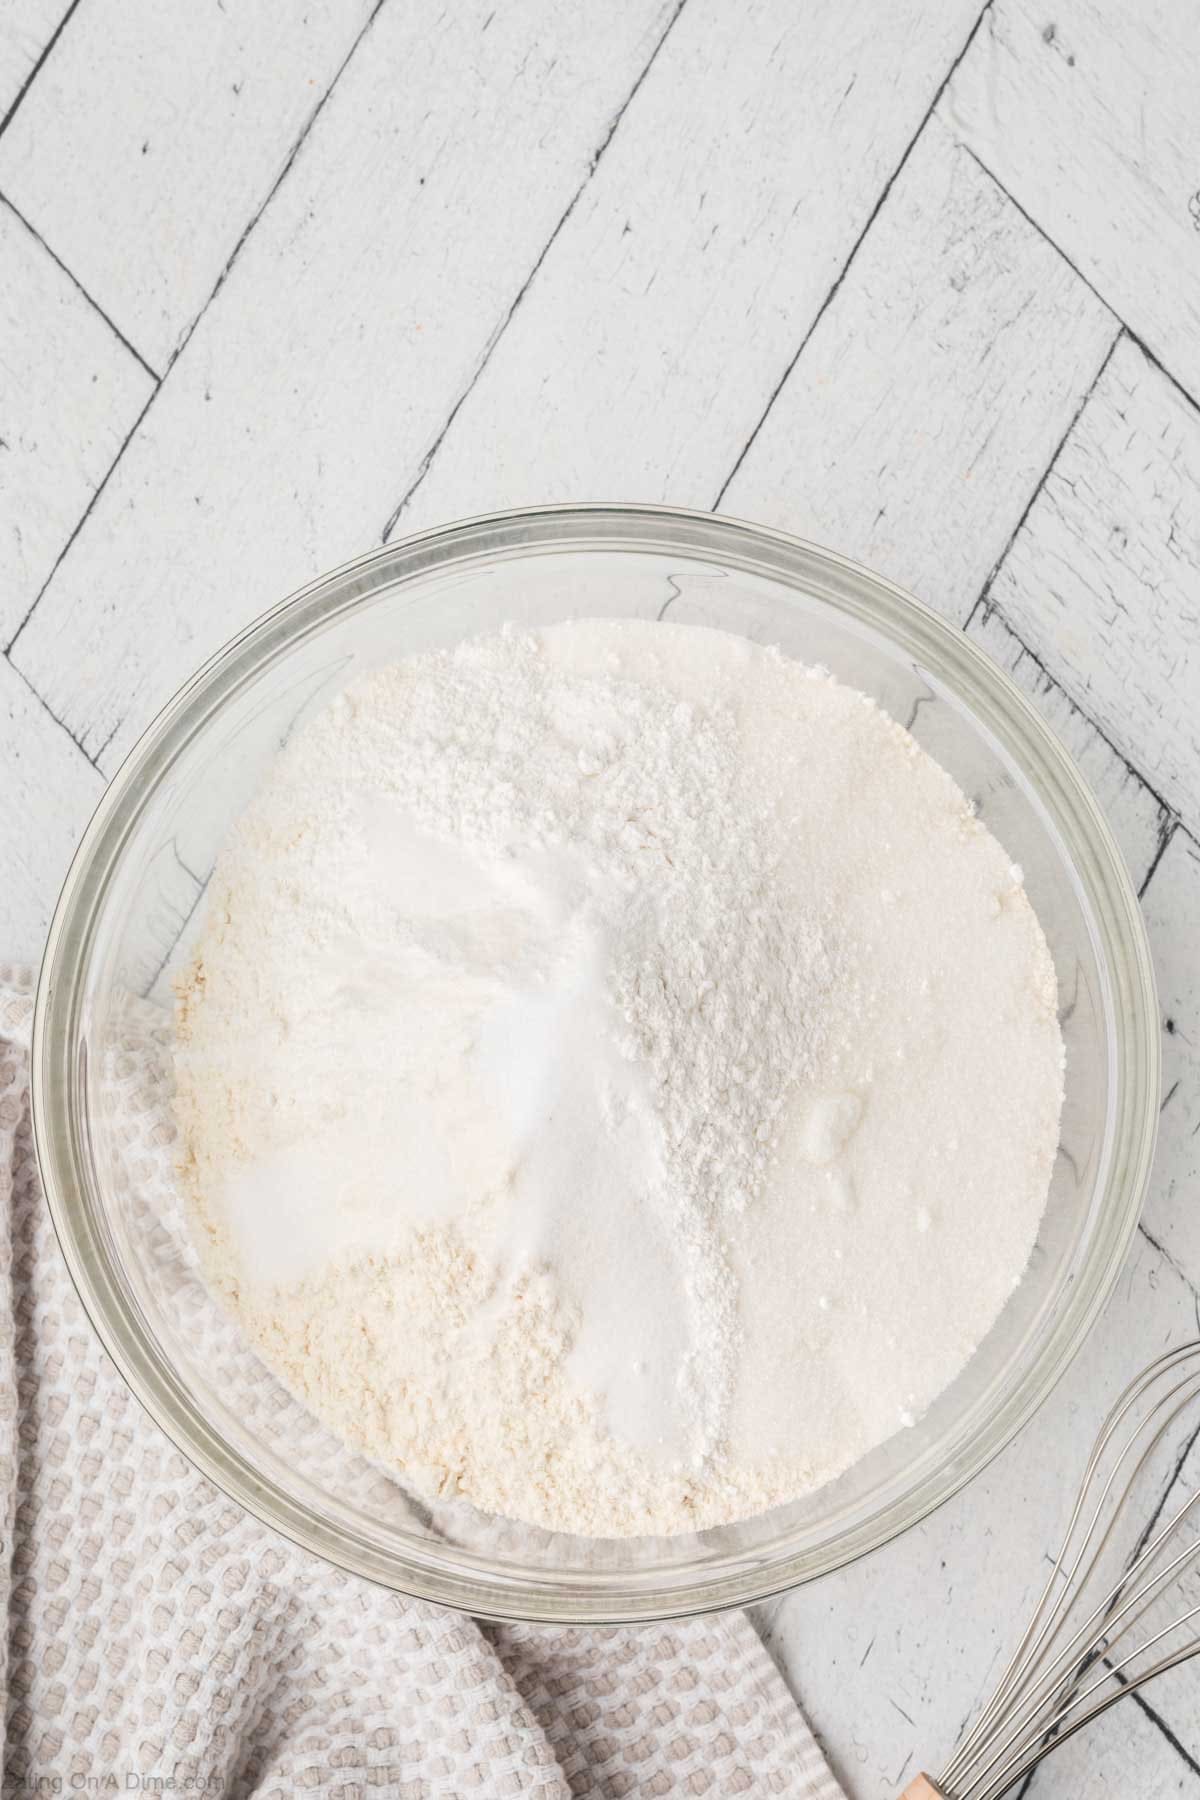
594,1036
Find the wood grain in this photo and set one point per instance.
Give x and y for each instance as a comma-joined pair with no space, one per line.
1103,579
1086,111
328,361
69,393
924,409
175,121
677,293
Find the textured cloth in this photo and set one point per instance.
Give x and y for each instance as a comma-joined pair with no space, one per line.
161,1638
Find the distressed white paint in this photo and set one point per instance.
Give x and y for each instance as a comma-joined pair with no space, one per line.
1086,110
174,120
1137,818
49,791
924,409
1122,1757
893,1656
69,393
1172,908
1103,580
26,27
681,287
358,309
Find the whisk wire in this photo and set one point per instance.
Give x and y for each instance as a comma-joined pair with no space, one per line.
1115,1671
1043,1696
1016,1771
1056,1683
1015,1670
1034,1643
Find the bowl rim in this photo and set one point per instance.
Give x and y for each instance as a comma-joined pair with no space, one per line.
452,1578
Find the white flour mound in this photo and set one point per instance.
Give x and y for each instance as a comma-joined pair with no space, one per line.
596,1036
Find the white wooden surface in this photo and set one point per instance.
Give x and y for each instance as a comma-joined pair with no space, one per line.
655,331
212,100
919,279
28,27
1103,581
923,409
1085,110
69,393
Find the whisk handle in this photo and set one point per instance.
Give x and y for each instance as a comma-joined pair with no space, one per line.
922,1789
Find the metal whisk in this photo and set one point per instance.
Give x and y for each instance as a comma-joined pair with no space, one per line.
1114,1614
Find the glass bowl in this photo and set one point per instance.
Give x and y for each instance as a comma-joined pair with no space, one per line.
122,926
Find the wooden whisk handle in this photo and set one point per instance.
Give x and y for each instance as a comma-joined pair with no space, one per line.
922,1789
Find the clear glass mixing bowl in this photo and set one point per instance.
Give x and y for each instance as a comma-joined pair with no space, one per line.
141,868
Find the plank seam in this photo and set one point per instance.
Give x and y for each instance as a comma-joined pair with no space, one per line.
36,70
848,264
1166,831
184,922
1014,534
1170,822
1029,219
75,530
293,153
45,705
78,285
594,161
1148,1529
101,748
1157,1720
187,337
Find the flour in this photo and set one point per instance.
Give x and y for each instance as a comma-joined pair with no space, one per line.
586,1033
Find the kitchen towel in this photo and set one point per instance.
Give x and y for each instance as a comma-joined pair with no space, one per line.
160,1639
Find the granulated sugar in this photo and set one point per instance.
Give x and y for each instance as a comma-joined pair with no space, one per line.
595,1039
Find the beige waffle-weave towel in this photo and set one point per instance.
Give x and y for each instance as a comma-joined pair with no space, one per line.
161,1639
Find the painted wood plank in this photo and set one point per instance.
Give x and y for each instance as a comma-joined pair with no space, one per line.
1103,580
1120,1756
49,793
169,125
359,308
680,288
892,1657
69,393
1138,819
26,27
924,409
1172,907
1086,111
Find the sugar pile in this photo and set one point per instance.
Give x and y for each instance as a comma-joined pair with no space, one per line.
590,1034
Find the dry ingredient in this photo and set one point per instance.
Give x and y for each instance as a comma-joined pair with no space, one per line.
597,1038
